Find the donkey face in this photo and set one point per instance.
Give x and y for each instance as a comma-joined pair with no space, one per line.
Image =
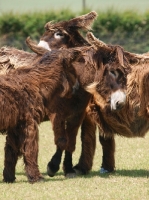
115,83
65,34
109,90
54,39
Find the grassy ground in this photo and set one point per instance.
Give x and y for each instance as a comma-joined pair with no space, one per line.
130,182
32,5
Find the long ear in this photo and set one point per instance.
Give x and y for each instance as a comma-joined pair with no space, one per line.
133,58
120,55
35,48
83,22
49,25
96,42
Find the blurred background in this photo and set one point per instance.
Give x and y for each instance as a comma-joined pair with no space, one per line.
119,22
77,5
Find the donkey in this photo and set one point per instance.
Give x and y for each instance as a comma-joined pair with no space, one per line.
65,130
30,93
130,121
63,34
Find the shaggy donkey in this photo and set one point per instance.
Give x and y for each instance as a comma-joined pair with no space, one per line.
68,37
67,120
29,93
63,34
64,31
130,121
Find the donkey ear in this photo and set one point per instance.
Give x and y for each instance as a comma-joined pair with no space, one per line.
94,41
120,55
49,25
34,47
97,43
83,21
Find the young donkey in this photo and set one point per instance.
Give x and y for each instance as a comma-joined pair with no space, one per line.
131,121
63,34
67,118
29,93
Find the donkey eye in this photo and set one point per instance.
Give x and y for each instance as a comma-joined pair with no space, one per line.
58,35
114,74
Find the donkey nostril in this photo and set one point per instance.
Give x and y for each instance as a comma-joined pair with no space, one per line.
119,105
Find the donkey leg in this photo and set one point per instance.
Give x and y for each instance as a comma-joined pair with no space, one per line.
72,130
30,152
108,160
60,139
11,157
68,166
88,139
53,165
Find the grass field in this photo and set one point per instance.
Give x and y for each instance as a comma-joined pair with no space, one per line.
37,5
129,182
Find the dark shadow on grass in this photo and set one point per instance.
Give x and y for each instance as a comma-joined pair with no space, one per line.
129,173
43,173
46,178
132,173
118,173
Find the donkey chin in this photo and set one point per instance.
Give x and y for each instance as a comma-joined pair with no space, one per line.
118,100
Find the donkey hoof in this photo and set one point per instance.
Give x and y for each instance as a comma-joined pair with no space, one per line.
80,171
103,171
41,179
71,175
9,180
35,180
51,170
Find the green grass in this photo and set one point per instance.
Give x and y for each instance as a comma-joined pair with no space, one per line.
129,182
32,5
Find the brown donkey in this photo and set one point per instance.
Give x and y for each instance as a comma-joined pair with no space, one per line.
30,93
130,121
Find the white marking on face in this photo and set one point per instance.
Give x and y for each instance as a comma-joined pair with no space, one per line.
117,97
44,44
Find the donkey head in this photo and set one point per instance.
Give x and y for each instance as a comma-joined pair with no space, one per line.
112,85
64,34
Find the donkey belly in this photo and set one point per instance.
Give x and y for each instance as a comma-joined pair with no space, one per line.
140,127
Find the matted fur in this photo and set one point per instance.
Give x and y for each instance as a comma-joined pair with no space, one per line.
11,58
71,32
65,130
131,121
73,113
27,94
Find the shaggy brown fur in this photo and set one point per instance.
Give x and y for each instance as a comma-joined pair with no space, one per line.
11,58
28,93
131,121
66,121
25,93
69,32
72,114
